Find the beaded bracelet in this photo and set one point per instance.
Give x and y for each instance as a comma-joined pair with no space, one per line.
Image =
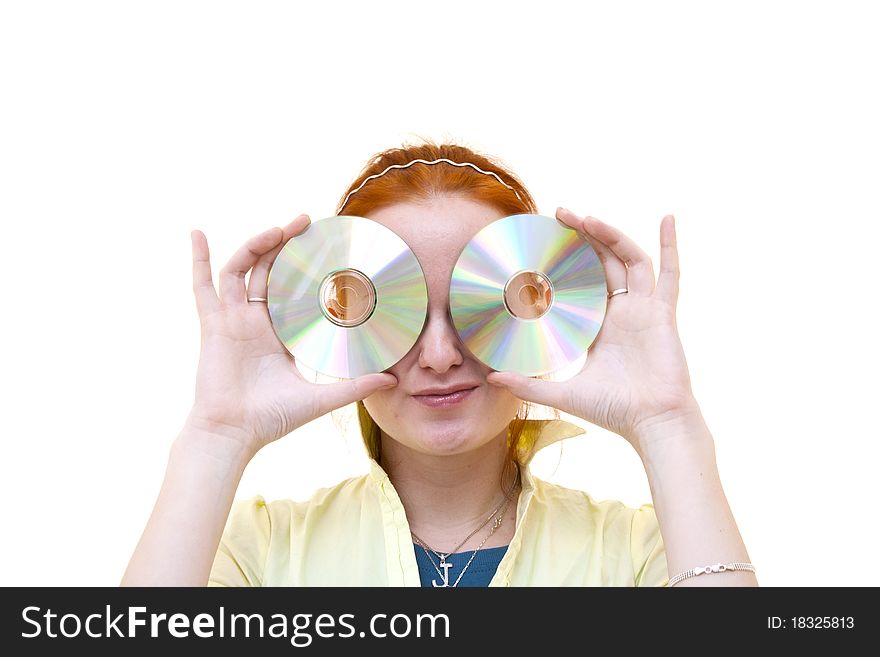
714,568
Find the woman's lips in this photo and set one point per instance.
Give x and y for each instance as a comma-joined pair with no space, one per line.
444,401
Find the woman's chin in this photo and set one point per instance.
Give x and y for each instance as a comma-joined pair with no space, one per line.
444,439
445,446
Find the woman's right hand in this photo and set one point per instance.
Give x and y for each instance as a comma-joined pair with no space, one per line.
248,386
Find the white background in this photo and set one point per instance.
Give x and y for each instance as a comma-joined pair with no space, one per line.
126,125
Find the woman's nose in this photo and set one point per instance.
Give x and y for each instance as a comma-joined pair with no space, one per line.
439,345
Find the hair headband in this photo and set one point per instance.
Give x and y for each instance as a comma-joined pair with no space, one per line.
409,164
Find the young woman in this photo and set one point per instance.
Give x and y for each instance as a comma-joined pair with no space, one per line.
449,499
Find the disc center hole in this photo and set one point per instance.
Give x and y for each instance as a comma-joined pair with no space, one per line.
528,294
347,297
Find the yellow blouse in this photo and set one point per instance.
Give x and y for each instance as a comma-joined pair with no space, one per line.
356,534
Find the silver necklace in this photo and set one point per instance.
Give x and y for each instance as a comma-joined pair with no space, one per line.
444,566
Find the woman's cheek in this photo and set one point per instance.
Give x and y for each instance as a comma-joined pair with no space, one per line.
385,406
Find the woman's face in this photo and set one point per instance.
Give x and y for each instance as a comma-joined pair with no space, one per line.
439,361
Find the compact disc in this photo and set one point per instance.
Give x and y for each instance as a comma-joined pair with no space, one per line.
347,297
528,295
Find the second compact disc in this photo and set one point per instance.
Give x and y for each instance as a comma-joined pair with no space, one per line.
528,295
347,297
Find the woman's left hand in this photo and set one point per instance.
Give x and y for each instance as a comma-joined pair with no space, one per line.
635,377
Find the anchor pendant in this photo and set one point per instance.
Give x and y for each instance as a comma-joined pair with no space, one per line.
445,566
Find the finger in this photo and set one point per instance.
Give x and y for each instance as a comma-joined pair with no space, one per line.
639,269
570,219
336,395
258,281
556,394
667,282
232,289
615,270
203,284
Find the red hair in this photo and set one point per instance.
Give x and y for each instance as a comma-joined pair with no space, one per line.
419,184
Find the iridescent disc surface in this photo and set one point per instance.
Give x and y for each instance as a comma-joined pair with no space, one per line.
347,297
528,295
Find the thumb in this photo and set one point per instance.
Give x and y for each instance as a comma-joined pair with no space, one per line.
549,393
335,395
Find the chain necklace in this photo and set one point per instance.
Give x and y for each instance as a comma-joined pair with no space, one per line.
497,514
